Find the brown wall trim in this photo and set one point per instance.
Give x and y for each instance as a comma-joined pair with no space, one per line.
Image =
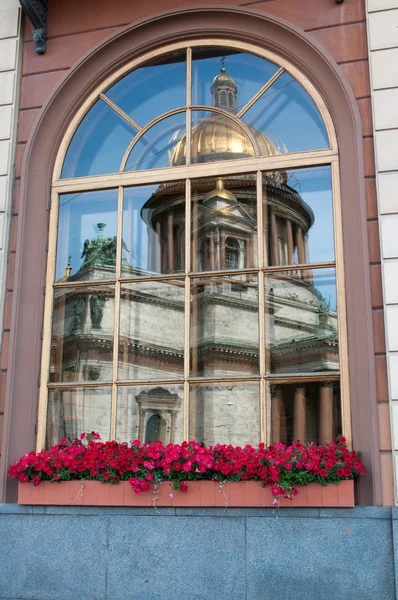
239,24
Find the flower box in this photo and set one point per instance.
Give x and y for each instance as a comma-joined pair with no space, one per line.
199,494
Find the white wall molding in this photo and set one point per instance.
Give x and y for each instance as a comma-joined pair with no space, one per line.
10,67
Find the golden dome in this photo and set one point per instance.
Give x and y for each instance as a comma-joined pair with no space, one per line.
223,78
220,138
219,192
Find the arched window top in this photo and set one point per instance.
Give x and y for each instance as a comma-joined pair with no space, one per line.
205,103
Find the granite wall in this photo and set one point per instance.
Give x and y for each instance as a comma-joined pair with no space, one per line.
81,553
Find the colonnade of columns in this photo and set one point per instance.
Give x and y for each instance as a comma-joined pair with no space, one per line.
294,238
278,414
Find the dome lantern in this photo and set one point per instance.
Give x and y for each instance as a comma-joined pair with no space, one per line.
224,90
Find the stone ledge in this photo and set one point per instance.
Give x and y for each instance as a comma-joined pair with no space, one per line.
359,512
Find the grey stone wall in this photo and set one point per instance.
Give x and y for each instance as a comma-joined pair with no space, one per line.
82,553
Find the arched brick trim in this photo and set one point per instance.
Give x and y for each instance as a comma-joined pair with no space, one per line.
235,23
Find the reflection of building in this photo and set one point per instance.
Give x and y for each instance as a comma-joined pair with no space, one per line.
300,326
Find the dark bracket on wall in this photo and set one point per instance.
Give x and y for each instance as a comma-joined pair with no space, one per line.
36,11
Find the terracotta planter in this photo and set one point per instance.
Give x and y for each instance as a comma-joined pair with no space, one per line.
200,493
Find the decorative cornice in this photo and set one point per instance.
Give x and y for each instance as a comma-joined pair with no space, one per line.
36,11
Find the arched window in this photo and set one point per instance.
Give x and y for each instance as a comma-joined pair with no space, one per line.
153,428
195,249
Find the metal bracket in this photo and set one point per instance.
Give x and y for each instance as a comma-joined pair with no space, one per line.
339,1
36,11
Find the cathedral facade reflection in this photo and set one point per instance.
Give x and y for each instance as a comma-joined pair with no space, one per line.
300,335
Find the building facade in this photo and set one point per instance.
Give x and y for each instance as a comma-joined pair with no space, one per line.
197,201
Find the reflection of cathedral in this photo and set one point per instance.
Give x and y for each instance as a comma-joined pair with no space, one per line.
300,326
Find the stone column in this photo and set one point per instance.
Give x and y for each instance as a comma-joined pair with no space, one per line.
222,250
195,236
212,252
158,247
300,249
141,425
275,240
173,427
309,275
299,427
290,242
150,248
277,414
170,243
326,413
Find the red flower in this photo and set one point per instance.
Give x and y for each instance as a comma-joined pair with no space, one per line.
110,461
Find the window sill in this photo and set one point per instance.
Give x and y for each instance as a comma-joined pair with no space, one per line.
199,494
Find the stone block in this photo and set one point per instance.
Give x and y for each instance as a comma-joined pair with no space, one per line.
4,156
386,150
170,559
6,115
384,68
392,327
387,184
383,29
3,193
389,228
50,558
7,87
386,108
9,19
391,281
393,360
321,559
8,54
375,5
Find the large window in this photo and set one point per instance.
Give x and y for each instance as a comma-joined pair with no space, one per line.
195,285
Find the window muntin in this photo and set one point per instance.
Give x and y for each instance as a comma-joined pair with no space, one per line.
99,144
261,267
161,82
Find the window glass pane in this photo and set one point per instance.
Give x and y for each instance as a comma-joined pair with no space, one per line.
154,229
301,322
82,334
150,413
86,245
306,411
74,410
288,117
243,76
151,342
225,413
224,326
298,212
156,148
153,89
215,137
224,223
99,143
